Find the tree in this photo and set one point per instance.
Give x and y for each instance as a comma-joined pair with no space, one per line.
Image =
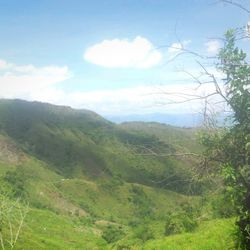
231,147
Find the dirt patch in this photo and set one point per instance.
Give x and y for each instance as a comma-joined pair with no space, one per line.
64,205
9,152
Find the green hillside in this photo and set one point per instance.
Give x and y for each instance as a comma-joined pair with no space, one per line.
81,143
91,184
183,139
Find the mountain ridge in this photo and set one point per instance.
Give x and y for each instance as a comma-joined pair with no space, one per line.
85,143
101,184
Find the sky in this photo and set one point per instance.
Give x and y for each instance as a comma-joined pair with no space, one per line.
112,56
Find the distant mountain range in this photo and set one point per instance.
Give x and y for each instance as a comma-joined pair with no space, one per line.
180,120
186,120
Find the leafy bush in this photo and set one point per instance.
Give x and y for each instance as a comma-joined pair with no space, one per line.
144,233
183,221
141,202
223,207
179,223
17,181
112,234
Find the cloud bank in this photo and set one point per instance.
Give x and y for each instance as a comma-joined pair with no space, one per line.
123,53
25,81
43,84
141,99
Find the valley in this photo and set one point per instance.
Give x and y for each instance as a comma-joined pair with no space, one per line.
88,183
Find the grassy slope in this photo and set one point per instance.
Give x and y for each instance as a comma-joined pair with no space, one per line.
212,235
80,174
47,230
82,144
184,139
77,211
73,213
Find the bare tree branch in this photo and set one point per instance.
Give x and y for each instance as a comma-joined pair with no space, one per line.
238,5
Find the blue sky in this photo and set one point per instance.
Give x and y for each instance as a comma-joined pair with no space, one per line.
102,55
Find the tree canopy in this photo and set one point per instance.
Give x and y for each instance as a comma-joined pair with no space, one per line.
231,147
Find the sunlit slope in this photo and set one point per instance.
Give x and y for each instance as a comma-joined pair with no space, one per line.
212,235
183,139
111,199
77,143
91,184
74,213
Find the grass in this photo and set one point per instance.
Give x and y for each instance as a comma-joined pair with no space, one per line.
89,187
47,230
211,235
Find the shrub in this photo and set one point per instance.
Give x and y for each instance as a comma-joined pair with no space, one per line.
17,181
112,234
179,223
144,233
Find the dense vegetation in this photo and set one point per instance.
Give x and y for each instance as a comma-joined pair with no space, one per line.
230,147
72,180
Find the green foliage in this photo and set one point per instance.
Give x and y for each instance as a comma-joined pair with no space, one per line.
236,165
182,221
77,143
112,233
141,201
144,233
222,205
87,183
17,181
230,147
179,223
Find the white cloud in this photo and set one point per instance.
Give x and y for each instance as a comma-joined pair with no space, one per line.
4,65
40,83
141,99
213,47
177,47
24,81
122,53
